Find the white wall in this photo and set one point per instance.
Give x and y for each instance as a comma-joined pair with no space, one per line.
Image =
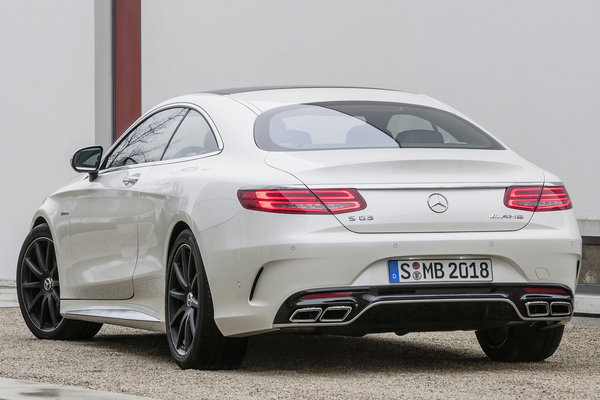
46,107
529,71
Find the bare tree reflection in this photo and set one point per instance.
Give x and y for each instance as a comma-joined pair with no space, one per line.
147,142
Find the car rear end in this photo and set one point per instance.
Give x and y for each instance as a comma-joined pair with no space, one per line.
364,272
401,218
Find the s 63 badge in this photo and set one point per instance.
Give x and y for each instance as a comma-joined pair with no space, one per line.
355,218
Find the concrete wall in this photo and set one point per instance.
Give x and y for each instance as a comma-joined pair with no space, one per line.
47,107
525,70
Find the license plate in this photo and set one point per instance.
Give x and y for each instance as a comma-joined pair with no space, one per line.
440,270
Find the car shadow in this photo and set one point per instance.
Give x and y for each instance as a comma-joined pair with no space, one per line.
297,352
329,354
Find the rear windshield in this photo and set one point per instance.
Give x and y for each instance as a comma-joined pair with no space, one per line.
352,125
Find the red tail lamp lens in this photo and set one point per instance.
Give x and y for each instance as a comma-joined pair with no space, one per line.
554,198
537,198
325,295
538,290
302,201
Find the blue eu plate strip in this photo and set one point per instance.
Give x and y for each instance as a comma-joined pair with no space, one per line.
394,273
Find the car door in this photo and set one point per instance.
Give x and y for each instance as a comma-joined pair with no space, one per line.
103,232
169,186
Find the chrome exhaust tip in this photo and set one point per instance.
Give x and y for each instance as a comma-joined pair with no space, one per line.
537,308
335,313
306,314
560,308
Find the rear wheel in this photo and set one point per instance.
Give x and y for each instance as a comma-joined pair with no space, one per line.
194,339
38,291
533,342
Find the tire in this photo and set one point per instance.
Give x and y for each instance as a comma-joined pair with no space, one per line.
533,342
194,339
38,291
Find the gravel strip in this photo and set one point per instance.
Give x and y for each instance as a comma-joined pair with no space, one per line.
277,366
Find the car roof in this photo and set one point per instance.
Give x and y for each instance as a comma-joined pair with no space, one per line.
267,97
221,104
230,91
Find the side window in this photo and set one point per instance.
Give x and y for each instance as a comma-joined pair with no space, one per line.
193,137
147,142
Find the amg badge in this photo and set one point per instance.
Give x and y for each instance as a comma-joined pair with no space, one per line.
507,216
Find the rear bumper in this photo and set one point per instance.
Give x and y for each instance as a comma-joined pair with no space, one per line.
256,263
361,310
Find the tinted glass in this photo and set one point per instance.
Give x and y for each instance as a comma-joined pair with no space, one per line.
147,142
193,137
344,125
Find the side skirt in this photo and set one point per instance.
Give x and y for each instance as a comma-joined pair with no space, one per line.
117,316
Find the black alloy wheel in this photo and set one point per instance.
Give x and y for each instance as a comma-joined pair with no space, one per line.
40,285
193,337
183,299
38,290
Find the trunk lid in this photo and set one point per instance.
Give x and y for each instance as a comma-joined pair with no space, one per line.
418,190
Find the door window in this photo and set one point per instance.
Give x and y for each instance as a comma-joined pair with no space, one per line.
147,142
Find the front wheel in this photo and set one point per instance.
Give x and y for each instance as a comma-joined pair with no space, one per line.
532,342
38,291
194,339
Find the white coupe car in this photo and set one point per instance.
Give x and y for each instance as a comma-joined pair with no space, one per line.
347,211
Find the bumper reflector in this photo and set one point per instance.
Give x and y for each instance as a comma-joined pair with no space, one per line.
325,295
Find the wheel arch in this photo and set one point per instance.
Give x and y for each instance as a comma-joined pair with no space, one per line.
177,228
43,216
40,218
38,221
175,231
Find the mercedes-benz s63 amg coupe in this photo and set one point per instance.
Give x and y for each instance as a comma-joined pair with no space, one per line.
226,214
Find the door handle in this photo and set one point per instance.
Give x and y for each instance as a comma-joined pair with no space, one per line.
131,180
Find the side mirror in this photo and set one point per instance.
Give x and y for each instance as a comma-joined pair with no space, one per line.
87,160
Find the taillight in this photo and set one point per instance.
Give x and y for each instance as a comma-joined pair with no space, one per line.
302,201
537,198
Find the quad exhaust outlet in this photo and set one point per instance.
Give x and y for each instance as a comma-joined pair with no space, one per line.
560,308
335,313
314,314
544,308
306,314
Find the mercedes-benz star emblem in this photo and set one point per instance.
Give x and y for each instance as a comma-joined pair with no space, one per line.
48,284
437,203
